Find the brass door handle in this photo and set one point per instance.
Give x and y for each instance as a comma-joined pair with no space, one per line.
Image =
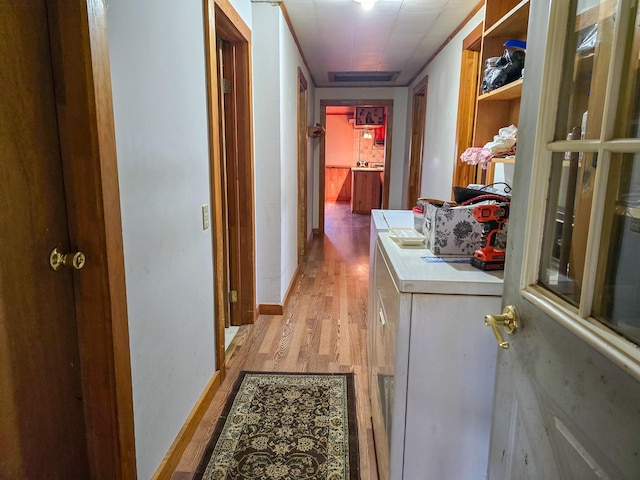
75,260
508,320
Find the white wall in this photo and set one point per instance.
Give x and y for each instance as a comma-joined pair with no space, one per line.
275,100
243,8
160,110
266,113
399,150
442,112
341,145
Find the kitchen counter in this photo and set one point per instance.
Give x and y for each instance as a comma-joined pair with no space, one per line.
367,169
366,189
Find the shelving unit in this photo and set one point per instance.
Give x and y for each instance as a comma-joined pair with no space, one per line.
504,20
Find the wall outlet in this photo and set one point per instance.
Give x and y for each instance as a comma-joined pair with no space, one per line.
205,216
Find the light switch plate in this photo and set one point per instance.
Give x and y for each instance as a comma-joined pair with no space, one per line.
205,216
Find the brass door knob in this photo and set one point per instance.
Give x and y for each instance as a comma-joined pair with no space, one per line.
75,260
508,320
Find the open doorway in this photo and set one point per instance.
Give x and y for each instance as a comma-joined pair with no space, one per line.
231,166
416,148
303,114
355,155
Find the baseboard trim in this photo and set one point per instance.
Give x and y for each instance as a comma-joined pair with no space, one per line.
270,309
275,308
315,231
291,285
179,445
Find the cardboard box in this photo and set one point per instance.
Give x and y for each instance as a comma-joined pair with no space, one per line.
454,231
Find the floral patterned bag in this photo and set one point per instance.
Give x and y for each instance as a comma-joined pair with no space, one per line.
452,230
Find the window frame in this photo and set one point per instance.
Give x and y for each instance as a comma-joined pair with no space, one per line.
578,320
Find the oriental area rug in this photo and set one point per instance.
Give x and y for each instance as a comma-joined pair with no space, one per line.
285,426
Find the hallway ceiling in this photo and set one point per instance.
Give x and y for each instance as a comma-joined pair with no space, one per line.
394,36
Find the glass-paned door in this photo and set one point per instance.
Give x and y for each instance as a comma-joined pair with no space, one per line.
568,390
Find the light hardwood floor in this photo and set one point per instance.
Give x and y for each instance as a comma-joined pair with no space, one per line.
323,329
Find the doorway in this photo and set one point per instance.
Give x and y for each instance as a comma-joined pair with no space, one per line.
66,398
302,164
345,191
416,148
231,166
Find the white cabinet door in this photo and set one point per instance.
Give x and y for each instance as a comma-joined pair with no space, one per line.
450,389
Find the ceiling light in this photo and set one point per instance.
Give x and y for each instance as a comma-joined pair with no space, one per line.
366,4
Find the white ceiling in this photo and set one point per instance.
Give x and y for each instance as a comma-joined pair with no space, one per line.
396,35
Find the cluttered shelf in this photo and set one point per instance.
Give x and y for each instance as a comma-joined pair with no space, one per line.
510,91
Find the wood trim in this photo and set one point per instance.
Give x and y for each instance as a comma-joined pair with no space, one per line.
215,183
223,186
179,445
285,14
474,36
230,27
475,10
247,294
87,139
230,164
270,309
303,114
233,28
463,173
322,151
290,289
416,150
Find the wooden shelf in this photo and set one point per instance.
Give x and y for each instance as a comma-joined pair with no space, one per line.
510,91
510,159
513,23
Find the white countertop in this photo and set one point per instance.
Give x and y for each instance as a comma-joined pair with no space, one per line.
412,274
386,219
367,169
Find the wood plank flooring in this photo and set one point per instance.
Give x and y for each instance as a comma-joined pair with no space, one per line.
323,329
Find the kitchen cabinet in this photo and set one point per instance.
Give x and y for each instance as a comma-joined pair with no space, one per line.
504,20
337,183
431,364
366,189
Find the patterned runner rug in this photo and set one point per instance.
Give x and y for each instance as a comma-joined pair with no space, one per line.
285,426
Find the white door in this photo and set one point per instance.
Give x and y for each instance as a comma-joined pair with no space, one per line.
567,392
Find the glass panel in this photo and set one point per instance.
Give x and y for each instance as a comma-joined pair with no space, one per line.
617,295
586,63
628,118
565,234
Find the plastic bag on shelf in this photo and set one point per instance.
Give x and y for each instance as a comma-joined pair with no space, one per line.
508,68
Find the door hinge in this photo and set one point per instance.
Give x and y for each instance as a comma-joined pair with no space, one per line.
226,86
233,296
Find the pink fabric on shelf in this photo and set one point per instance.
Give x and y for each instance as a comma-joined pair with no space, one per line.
477,156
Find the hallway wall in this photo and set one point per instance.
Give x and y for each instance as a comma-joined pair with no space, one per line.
275,101
160,112
442,115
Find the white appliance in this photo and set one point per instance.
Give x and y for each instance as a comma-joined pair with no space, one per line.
431,363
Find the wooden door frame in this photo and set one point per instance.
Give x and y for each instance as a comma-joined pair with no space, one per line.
322,155
81,64
223,21
302,164
416,148
239,142
463,173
